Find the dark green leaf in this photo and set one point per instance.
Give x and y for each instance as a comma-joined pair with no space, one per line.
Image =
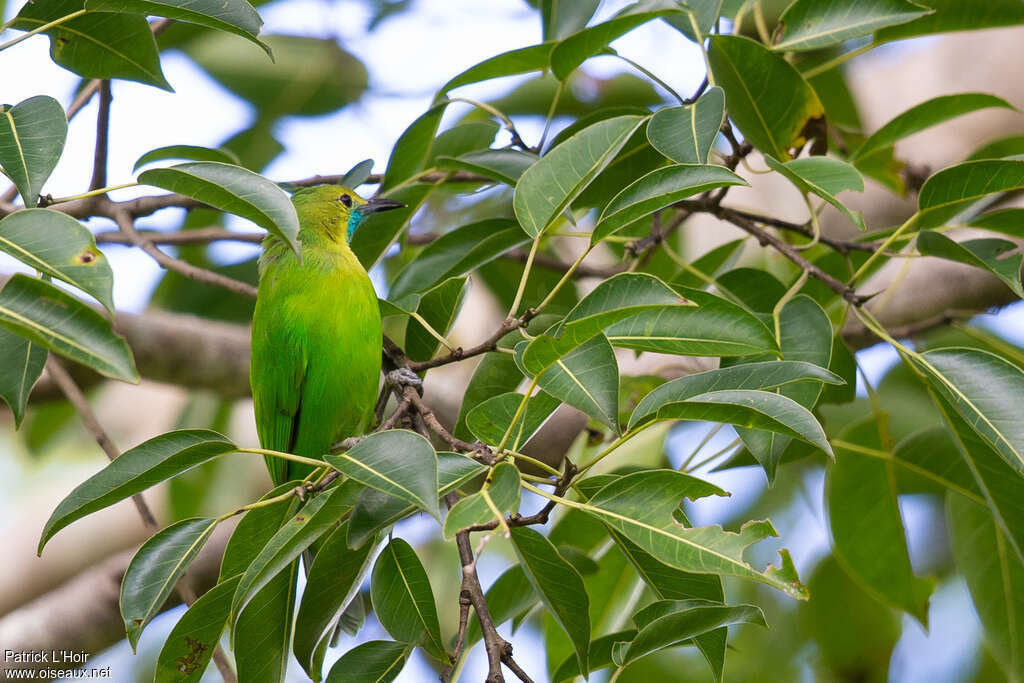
559,586
264,630
58,245
188,649
502,165
440,307
52,318
868,536
519,61
457,253
376,661
561,19
233,16
825,177
701,16
659,189
989,254
502,487
768,99
956,15
23,364
376,510
762,375
403,600
32,135
953,189
412,148
190,152
232,189
999,148
294,536
96,44
577,48
925,115
332,584
1007,221
814,24
490,420
551,184
149,463
358,174
497,373
715,327
398,462
677,626
472,136
929,457
256,529
155,570
686,134
995,577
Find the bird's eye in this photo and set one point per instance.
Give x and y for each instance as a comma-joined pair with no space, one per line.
346,200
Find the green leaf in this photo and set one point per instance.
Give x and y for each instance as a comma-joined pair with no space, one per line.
599,656
587,378
551,184
358,174
23,364
490,419
502,486
398,462
953,189
412,148
457,253
641,506
715,327
868,536
52,318
1007,221
956,15
233,16
256,529
189,648
519,61
708,265
762,375
32,135
825,177
308,77
559,586
440,307
577,48
155,570
977,384
751,409
814,24
686,134
930,456
1010,145
294,536
619,297
676,626
995,578
503,165
562,19
332,584
96,44
376,661
376,510
56,244
190,152
658,189
767,97
700,18
988,254
998,482
497,373
926,115
232,189
403,600
149,463
264,629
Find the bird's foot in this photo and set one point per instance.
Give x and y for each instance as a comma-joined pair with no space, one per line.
404,377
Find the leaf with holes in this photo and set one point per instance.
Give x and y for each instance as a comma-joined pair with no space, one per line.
189,647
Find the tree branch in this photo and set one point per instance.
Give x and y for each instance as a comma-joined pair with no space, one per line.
99,165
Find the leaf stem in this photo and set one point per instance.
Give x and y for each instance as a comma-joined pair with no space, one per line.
646,72
38,29
518,414
720,452
611,447
92,193
433,333
883,247
540,464
836,61
785,299
283,456
565,278
522,281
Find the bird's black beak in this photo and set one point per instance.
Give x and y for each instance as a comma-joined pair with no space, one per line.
376,205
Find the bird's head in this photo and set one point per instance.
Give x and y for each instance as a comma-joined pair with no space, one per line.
334,212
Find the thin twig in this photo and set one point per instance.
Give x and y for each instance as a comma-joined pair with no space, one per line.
198,236
99,165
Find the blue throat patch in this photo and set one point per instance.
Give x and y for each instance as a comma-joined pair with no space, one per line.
353,222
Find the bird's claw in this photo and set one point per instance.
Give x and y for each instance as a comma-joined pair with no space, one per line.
404,377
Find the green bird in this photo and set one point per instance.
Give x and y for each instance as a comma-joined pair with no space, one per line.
316,334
